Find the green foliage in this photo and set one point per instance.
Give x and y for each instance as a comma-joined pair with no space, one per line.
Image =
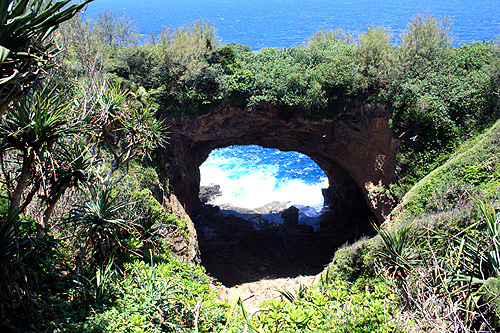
312,78
24,47
35,129
24,260
329,34
158,298
111,31
25,21
423,40
439,101
472,169
337,307
125,127
491,290
474,174
152,219
12,270
448,268
480,263
101,288
397,254
37,121
352,262
97,221
373,53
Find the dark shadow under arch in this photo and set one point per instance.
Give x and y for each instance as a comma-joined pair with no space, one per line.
235,252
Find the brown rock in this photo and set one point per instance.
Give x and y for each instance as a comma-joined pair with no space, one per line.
356,149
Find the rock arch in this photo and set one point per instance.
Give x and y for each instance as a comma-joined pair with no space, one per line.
356,150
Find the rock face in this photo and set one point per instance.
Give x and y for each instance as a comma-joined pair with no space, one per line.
185,246
290,216
209,193
356,150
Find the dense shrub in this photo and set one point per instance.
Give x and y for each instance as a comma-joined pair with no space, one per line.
158,298
338,306
353,261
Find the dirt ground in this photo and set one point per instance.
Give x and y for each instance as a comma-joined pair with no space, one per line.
254,293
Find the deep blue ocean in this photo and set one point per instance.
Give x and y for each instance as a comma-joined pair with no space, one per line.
251,176
284,23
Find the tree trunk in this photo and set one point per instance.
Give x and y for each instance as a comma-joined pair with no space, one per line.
51,205
15,200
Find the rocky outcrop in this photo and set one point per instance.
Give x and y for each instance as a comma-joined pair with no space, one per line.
290,216
184,244
356,150
209,193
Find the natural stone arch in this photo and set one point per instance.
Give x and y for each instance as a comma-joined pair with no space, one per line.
356,147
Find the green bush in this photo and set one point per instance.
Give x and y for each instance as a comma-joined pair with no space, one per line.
351,262
158,298
491,290
340,306
473,169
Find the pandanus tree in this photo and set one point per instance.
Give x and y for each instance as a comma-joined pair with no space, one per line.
26,51
122,128
29,132
31,126
99,223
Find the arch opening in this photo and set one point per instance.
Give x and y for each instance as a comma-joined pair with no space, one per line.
285,218
257,180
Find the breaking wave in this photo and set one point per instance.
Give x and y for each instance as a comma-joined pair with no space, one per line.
252,176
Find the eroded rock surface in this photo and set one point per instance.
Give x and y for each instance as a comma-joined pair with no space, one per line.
356,150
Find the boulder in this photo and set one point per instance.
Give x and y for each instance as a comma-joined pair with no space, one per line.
209,193
290,216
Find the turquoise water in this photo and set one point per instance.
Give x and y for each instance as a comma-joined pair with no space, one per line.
252,176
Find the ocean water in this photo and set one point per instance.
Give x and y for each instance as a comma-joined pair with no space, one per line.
284,23
251,176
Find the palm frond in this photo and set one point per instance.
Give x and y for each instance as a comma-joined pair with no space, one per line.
98,222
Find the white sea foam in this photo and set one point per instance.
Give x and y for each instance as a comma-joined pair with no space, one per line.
258,186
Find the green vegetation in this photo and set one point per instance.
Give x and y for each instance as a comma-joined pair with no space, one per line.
474,169
85,228
439,95
25,48
338,306
444,263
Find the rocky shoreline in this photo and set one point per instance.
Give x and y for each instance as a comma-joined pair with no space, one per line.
271,211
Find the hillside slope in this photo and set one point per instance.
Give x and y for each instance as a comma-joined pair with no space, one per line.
475,168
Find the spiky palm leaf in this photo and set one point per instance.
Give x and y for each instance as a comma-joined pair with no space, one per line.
25,26
37,121
397,254
481,260
71,165
98,222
